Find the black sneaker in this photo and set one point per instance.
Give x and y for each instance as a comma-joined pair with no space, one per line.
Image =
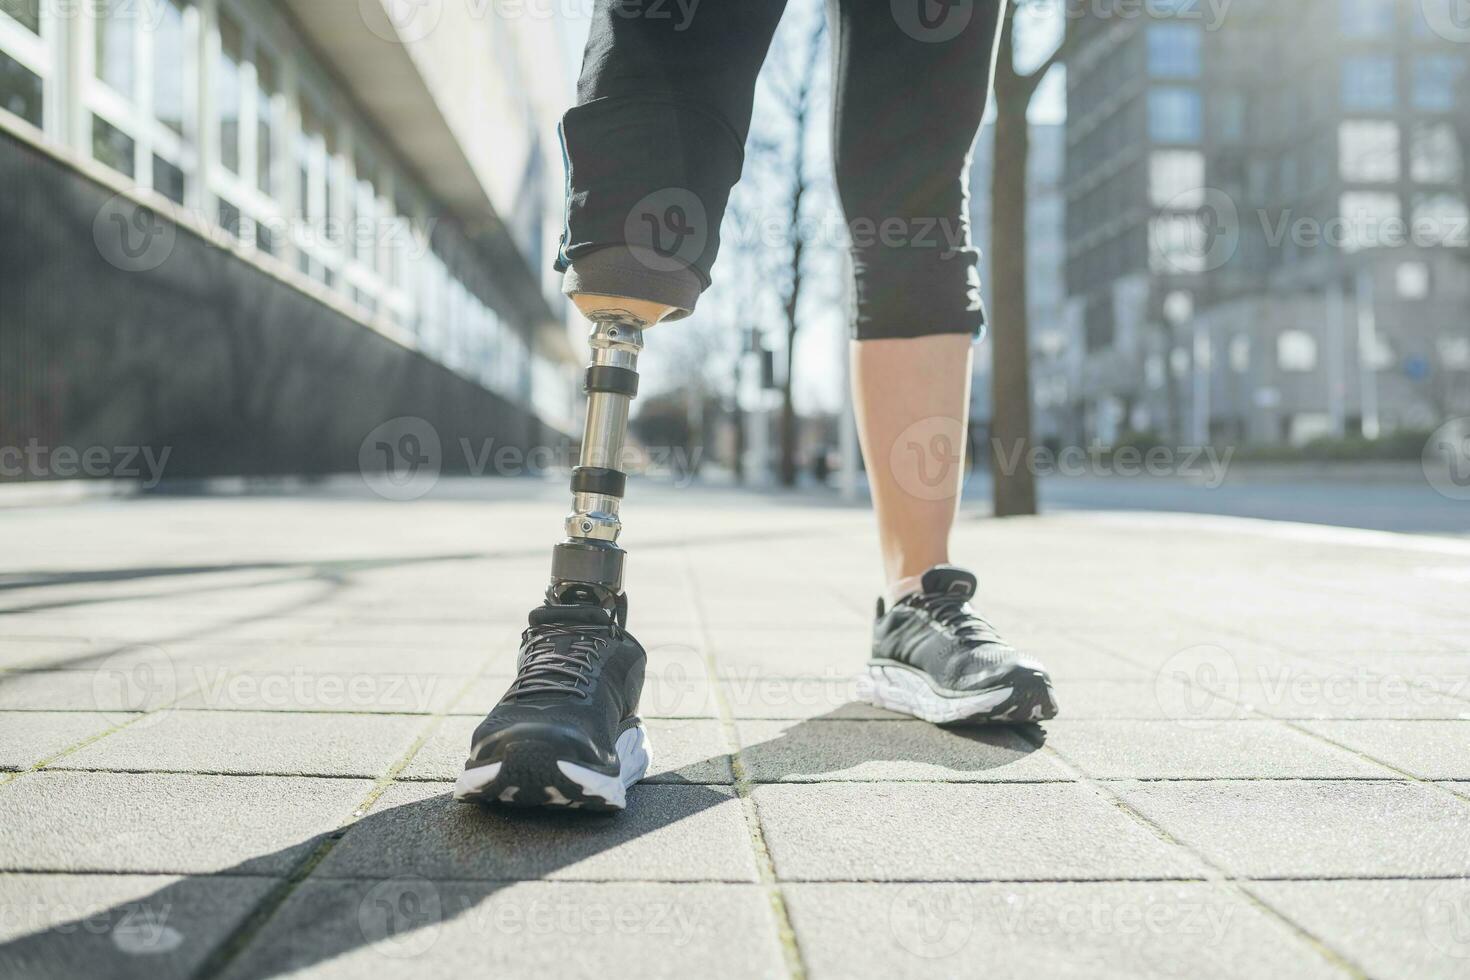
935,659
567,733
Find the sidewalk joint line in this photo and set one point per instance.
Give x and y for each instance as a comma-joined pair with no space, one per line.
785,932
259,917
1219,874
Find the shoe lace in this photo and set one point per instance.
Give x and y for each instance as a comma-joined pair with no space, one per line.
954,613
551,667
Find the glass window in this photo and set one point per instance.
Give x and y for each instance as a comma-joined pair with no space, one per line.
1296,350
364,231
27,12
1412,280
168,180
1440,219
1368,151
1230,109
266,89
1454,353
1239,353
228,91
1176,178
1370,219
229,217
1434,154
1367,18
20,90
1174,115
1174,51
111,146
115,37
308,153
265,239
1436,81
1368,82
169,60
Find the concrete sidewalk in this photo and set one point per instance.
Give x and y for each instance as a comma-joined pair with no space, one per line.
229,727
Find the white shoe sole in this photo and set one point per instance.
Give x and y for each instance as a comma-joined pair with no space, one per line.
906,691
597,790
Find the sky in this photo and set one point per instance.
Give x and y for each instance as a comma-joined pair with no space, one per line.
707,340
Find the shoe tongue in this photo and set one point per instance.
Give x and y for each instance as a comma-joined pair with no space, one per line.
948,580
575,615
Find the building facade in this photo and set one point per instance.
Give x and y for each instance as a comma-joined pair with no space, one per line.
1266,220
268,196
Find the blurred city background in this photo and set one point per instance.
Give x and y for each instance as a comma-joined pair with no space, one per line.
1227,239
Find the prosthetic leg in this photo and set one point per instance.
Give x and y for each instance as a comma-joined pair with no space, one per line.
587,568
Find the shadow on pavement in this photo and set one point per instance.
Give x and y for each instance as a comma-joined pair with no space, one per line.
402,872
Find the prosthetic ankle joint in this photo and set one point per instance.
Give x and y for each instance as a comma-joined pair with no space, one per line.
588,565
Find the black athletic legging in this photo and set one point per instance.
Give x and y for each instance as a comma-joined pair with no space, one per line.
657,141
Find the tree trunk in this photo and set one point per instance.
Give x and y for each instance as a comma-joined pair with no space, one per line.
793,302
1010,426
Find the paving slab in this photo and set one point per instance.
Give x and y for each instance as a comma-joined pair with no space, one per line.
131,927
167,823
1132,699
248,742
828,750
1121,930
1427,749
1225,750
899,849
28,737
668,833
414,927
1389,929
971,832
1310,829
685,750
